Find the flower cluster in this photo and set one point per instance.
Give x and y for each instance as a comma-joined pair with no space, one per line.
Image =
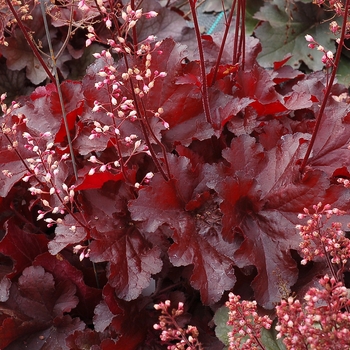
246,324
140,80
4,107
318,241
334,5
44,174
10,132
327,58
123,20
126,84
173,334
320,322
44,168
7,19
324,319
82,250
345,182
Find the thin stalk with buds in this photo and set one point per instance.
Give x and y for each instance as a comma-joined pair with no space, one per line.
328,87
205,95
59,91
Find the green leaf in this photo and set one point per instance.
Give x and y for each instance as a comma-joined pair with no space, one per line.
268,337
343,72
252,7
220,319
269,340
283,31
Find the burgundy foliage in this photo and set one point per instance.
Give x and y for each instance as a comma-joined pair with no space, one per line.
219,217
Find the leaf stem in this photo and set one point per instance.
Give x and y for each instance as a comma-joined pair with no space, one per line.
205,97
328,88
59,91
160,144
223,42
30,42
133,29
143,124
117,140
239,39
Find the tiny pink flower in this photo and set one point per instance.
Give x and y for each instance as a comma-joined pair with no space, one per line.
309,38
151,14
108,23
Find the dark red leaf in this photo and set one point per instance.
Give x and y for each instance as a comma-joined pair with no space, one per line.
73,105
19,55
167,24
86,339
260,203
313,84
196,235
43,91
244,122
103,317
189,79
298,100
36,308
285,74
279,64
257,84
129,271
22,247
330,150
62,270
132,259
96,180
272,132
131,320
69,232
51,338
222,72
40,117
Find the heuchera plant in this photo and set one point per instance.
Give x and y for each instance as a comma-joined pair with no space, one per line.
170,173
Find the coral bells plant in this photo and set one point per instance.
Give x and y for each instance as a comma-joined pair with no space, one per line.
145,162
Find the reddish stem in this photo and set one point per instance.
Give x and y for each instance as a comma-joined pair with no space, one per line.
328,88
144,129
133,29
242,41
160,144
223,42
237,43
205,97
30,42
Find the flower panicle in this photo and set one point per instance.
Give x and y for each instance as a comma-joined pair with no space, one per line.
246,324
172,333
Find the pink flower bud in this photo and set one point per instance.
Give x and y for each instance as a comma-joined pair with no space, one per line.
309,38
151,14
40,216
108,23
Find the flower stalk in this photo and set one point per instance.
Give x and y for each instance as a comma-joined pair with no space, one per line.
328,87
